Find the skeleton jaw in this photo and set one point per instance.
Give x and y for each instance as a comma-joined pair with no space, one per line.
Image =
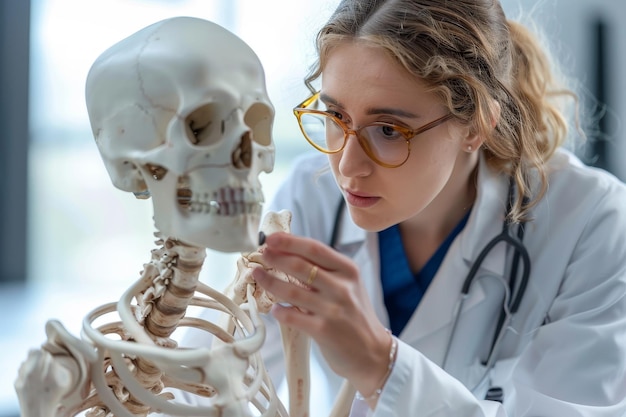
226,201
224,219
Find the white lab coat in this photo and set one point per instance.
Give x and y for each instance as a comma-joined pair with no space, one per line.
564,354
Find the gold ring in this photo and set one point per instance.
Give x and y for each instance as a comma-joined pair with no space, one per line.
312,276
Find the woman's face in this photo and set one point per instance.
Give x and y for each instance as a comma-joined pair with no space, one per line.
362,84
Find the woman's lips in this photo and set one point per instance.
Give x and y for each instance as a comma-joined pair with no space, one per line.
360,200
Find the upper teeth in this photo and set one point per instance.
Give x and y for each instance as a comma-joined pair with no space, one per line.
227,201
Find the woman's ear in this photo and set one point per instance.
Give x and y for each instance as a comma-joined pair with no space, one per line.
473,140
473,144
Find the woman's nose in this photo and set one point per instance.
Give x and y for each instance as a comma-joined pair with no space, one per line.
354,161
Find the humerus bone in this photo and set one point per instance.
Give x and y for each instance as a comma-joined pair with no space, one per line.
296,345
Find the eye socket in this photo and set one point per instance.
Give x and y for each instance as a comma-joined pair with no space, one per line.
197,132
260,117
203,126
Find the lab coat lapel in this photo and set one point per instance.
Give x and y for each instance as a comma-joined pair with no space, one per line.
487,219
437,307
368,260
362,247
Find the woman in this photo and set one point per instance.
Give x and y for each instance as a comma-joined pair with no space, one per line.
440,123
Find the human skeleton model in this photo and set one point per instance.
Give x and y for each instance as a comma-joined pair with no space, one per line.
180,113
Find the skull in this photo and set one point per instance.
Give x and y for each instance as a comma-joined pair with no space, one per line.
180,113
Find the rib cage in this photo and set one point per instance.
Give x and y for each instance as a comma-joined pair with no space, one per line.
173,276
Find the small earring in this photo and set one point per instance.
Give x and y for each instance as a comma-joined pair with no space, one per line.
469,148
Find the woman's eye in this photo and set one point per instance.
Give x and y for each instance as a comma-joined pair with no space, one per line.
335,114
387,133
388,130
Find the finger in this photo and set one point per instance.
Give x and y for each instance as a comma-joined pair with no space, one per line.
312,250
287,292
304,271
297,256
297,318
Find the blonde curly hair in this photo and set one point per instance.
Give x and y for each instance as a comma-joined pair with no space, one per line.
473,57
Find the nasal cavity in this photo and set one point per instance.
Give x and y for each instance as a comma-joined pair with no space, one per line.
242,155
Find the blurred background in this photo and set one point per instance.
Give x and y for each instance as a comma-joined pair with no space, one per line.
70,241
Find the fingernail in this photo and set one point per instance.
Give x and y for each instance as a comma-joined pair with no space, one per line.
261,238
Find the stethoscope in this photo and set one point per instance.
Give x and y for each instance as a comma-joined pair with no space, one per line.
514,290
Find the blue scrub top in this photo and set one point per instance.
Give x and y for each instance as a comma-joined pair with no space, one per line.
402,289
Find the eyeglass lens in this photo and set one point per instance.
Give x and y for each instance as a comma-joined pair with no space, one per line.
383,143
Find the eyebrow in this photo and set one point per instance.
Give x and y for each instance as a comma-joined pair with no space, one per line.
374,110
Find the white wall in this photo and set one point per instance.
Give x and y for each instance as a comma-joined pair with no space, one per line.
569,27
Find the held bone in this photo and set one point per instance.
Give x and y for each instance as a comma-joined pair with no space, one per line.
237,290
296,344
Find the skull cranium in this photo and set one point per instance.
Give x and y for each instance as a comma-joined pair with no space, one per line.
180,112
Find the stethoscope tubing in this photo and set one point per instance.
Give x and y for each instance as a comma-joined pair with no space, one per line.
513,295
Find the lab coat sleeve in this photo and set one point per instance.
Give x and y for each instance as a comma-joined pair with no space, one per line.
576,363
418,387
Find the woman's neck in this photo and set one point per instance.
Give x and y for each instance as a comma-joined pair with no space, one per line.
423,234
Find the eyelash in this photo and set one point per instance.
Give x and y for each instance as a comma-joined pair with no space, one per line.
340,116
335,113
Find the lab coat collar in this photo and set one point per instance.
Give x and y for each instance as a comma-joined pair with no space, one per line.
349,233
487,218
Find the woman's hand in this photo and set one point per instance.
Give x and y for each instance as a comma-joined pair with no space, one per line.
330,304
